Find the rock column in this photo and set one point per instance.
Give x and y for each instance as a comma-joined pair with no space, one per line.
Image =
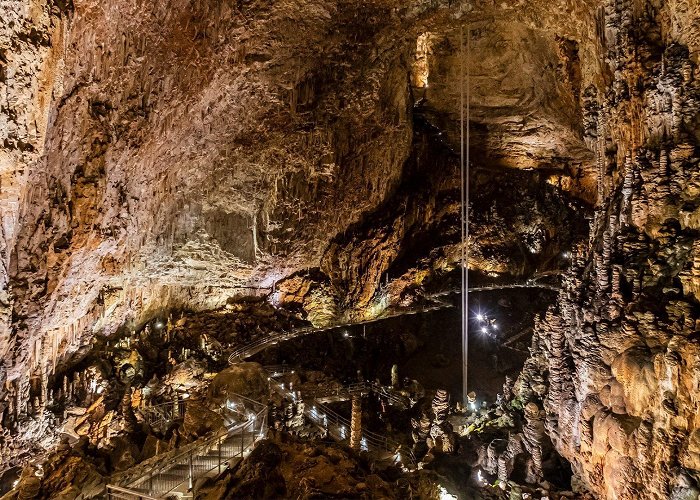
356,423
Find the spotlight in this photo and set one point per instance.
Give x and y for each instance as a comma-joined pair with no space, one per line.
159,324
484,330
443,494
480,317
495,326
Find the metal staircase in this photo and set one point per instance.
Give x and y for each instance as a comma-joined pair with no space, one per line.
176,473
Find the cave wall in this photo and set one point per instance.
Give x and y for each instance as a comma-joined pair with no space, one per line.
187,150
162,155
615,360
173,155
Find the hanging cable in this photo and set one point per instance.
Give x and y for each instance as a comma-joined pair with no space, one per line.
464,211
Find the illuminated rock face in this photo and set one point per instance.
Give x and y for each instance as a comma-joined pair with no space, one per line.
616,359
156,156
165,154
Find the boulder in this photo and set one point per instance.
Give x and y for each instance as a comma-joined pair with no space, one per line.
245,379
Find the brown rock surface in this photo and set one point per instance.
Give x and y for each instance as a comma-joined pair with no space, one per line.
159,155
618,351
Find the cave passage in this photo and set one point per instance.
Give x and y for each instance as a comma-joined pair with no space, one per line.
234,259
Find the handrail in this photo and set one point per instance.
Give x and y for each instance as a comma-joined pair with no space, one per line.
163,412
328,416
253,347
253,427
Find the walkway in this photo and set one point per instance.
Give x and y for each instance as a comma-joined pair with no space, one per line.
175,473
338,427
259,345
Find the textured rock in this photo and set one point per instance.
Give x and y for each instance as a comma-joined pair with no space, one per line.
245,379
161,156
621,392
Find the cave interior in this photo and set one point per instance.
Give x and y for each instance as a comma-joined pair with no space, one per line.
377,249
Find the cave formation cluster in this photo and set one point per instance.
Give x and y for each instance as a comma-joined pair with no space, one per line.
180,180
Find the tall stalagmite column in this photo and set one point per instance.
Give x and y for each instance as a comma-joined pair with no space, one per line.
356,423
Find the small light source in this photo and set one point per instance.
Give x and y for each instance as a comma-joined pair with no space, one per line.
484,330
480,317
495,326
346,334
445,495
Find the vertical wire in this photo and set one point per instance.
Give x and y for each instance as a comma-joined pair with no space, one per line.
466,206
462,263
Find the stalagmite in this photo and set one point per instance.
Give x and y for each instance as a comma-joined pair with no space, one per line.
356,423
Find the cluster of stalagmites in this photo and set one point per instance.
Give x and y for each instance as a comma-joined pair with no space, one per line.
433,433
526,443
615,362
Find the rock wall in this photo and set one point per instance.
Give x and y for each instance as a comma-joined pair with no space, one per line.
615,361
187,150
32,34
174,154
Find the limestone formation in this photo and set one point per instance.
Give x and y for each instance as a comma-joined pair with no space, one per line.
616,344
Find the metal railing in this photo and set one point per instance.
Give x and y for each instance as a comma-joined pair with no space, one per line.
338,426
278,370
263,343
341,393
176,473
164,412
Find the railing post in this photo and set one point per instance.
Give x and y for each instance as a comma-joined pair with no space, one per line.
190,471
242,438
220,440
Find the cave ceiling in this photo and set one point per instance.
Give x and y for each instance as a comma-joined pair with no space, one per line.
167,154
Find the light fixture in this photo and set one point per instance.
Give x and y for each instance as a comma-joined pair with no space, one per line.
445,495
484,330
480,317
346,334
